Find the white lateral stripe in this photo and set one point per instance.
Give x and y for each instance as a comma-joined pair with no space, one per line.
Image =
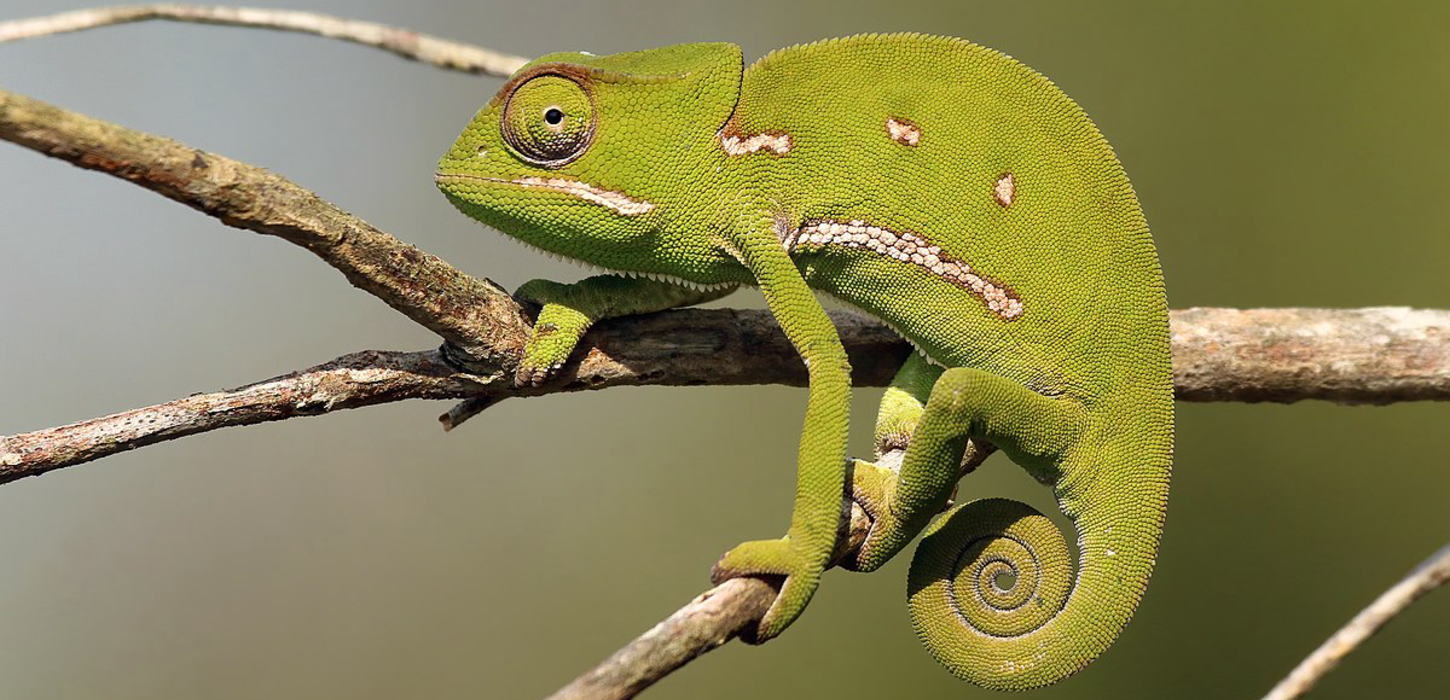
913,249
618,201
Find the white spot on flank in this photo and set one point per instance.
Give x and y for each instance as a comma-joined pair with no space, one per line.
1005,190
911,248
903,131
618,201
737,144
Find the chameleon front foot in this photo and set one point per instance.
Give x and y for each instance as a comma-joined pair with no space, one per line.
550,343
570,309
773,558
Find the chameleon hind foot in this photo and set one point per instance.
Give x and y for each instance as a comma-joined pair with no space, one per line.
773,558
873,487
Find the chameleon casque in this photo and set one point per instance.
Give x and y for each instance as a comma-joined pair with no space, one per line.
943,188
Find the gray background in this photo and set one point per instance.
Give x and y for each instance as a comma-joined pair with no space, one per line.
1286,154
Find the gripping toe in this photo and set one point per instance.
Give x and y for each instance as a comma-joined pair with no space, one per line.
772,559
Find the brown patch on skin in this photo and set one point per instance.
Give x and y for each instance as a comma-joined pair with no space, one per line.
914,249
1005,190
903,131
736,143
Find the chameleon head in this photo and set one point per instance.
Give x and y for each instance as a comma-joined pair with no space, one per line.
603,159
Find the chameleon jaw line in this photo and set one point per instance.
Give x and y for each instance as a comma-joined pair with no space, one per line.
620,202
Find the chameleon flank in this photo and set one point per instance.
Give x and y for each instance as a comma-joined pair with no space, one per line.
907,247
940,186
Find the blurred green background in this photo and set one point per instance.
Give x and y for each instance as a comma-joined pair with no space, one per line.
1290,153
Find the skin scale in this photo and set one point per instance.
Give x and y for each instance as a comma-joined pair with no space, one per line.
938,185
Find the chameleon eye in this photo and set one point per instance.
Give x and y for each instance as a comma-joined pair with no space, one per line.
548,120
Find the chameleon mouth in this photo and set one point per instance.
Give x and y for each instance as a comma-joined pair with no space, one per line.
620,202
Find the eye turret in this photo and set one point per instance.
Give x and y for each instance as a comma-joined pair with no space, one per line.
549,120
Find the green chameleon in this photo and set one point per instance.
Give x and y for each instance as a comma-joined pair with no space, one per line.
941,187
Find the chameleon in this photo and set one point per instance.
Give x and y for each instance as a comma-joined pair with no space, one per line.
939,186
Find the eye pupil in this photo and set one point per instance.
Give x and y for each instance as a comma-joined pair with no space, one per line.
553,116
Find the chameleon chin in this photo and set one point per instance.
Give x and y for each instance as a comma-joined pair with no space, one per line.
966,202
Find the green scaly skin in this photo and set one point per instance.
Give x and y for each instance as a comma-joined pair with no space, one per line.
938,185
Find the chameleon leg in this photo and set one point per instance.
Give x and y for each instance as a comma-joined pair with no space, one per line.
801,556
570,309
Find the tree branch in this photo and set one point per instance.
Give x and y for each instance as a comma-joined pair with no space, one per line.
1373,355
409,44
475,315
1219,355
705,623
710,620
1426,577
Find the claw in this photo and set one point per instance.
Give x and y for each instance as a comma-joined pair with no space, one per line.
529,376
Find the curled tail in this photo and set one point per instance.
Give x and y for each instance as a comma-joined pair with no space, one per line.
991,588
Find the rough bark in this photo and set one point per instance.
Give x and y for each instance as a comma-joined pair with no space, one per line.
1219,355
474,315
359,379
1371,355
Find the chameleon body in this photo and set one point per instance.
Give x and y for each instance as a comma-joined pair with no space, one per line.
940,186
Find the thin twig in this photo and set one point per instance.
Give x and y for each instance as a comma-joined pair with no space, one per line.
710,620
1426,577
713,618
360,379
424,48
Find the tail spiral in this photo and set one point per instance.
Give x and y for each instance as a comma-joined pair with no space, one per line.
992,596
